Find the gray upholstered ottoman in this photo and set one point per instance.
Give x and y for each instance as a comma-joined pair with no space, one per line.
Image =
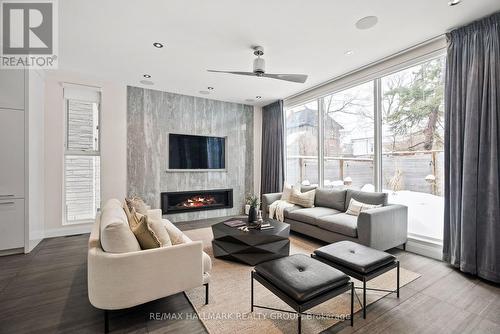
358,261
302,282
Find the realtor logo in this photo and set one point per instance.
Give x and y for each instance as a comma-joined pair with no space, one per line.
28,34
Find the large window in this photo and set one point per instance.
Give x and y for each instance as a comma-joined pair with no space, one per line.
348,137
412,144
82,154
302,144
382,135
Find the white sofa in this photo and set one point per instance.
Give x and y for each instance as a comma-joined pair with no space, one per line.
123,280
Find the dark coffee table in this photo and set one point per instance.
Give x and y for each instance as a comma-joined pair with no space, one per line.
252,247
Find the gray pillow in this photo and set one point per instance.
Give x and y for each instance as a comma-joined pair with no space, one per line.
365,197
330,198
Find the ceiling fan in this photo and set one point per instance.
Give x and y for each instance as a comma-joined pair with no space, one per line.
259,66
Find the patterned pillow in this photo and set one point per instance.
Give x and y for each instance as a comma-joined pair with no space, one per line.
138,204
305,199
355,207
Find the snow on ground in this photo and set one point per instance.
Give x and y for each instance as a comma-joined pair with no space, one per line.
425,212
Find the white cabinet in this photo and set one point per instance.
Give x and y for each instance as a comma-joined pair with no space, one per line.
12,89
12,153
11,223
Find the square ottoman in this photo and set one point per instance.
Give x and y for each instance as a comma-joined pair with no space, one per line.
302,282
358,261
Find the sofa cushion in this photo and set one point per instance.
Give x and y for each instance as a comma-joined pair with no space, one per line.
310,215
291,209
355,256
365,197
330,198
116,235
301,277
340,223
307,188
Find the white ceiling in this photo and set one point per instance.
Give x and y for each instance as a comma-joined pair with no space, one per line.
113,39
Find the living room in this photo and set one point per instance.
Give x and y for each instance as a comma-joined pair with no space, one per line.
265,166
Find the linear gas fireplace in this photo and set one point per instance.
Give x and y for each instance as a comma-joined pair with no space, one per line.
186,201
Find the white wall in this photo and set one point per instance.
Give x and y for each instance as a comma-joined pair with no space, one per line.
113,147
257,147
36,160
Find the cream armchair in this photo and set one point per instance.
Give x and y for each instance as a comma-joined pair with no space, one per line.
123,280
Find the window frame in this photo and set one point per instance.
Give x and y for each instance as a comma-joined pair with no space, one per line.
84,153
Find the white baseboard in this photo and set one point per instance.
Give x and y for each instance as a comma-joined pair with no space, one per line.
425,248
32,243
68,230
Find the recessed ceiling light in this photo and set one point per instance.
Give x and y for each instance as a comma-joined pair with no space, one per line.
249,100
348,52
147,82
258,97
157,45
204,92
366,22
454,2
147,76
210,88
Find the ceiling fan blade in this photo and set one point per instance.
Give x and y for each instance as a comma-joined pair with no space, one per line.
300,78
233,72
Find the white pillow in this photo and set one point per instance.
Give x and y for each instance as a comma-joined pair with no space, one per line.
305,200
159,230
176,236
287,192
356,207
116,235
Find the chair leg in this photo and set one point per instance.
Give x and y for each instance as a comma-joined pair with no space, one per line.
364,298
352,304
106,321
397,288
300,322
251,292
206,293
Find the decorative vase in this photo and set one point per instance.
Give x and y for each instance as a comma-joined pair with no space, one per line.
252,215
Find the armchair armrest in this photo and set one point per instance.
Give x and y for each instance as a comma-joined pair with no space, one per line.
117,281
268,199
383,228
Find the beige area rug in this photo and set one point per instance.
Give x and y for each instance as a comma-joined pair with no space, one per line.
229,307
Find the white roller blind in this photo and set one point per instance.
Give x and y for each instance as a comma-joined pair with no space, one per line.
82,93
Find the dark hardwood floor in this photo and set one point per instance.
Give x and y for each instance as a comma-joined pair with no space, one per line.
46,292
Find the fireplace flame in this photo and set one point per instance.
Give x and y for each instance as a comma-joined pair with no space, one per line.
198,201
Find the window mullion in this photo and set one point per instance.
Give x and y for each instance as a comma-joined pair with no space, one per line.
377,149
321,151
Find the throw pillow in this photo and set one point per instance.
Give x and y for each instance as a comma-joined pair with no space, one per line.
287,192
305,199
160,231
356,207
176,236
116,236
144,235
138,204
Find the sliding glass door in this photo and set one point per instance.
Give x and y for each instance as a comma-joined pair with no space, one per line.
385,134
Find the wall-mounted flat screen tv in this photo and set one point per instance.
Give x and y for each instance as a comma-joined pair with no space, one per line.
196,152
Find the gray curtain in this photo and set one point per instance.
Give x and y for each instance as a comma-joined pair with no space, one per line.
472,147
273,170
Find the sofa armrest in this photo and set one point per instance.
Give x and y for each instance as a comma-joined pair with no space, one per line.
268,199
117,281
383,228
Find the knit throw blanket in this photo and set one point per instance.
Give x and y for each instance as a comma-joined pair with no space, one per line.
277,209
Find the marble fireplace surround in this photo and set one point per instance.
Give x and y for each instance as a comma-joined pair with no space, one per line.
152,115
